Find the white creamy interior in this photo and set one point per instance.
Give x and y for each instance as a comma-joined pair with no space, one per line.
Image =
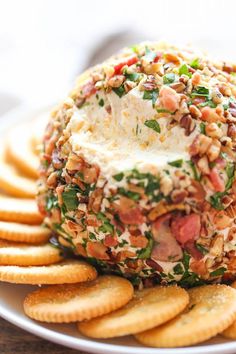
120,141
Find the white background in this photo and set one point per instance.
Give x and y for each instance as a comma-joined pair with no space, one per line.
44,44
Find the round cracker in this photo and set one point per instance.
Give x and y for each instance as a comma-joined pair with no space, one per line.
230,332
19,210
78,302
19,151
27,255
13,183
33,234
153,306
66,272
211,309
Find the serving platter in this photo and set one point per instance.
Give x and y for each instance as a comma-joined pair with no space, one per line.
11,300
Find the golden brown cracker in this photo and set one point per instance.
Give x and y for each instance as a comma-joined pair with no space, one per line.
149,308
78,302
66,272
16,232
230,332
19,210
13,183
211,309
18,150
27,255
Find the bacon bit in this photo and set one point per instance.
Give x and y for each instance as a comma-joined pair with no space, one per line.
190,246
166,248
80,250
92,220
210,115
178,196
127,61
198,100
138,241
56,216
95,200
199,267
196,79
110,241
197,192
220,163
151,263
188,124
186,228
169,99
88,89
231,211
216,180
232,234
132,216
97,250
232,264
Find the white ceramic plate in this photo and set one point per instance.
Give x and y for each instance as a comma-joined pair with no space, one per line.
11,299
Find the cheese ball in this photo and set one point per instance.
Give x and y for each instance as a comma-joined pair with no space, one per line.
138,167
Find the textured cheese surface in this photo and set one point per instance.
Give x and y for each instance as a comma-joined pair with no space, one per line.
120,141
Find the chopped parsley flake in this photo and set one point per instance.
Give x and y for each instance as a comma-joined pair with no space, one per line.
202,128
151,95
178,269
70,198
146,252
101,102
195,63
120,91
153,124
201,249
183,70
176,163
208,103
197,176
119,176
200,91
133,76
218,272
129,194
52,202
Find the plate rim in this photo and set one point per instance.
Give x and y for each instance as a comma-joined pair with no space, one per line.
26,112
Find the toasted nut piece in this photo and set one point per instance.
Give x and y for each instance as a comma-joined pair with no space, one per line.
116,81
214,131
203,165
214,150
195,112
